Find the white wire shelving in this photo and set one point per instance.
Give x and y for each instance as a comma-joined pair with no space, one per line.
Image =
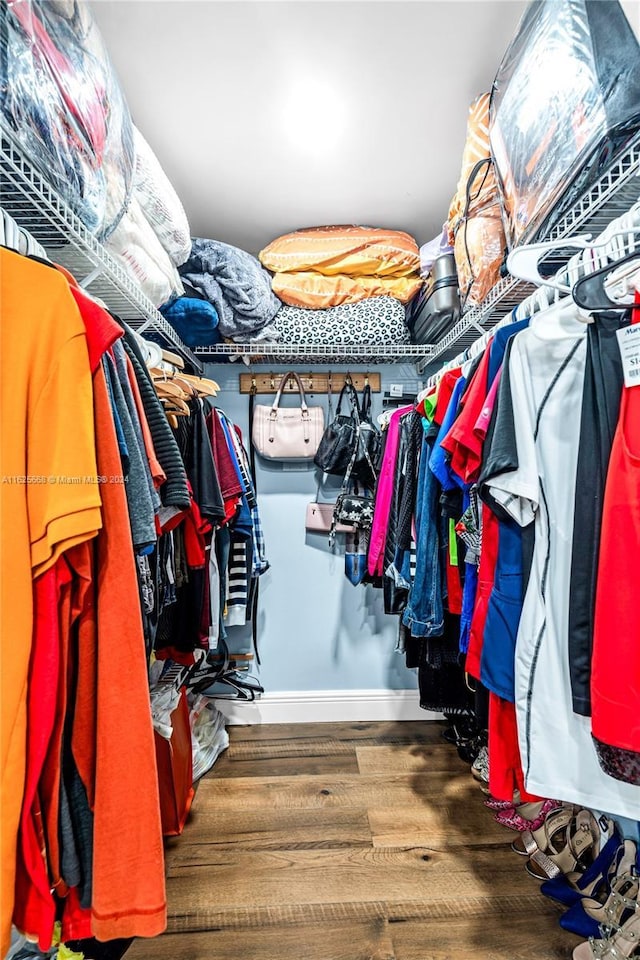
38,208
614,192
35,206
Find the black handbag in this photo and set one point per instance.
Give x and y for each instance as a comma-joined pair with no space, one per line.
369,443
352,508
340,437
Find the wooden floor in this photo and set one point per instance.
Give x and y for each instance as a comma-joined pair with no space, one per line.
348,841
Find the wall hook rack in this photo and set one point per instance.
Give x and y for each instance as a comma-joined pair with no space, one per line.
329,382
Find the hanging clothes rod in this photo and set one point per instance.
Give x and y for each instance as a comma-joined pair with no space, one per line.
614,242
19,239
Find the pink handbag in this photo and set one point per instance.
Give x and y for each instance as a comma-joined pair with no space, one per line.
287,433
320,517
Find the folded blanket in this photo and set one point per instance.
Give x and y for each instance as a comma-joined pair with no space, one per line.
196,321
235,283
160,203
313,290
351,250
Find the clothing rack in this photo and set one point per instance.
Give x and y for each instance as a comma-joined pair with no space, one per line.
38,209
543,296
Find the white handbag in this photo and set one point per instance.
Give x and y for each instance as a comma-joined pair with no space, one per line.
287,433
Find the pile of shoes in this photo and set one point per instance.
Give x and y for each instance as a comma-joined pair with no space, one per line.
586,866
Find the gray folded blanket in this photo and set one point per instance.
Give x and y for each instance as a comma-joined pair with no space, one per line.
235,283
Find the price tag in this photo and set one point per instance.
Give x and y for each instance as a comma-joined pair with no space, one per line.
395,390
629,343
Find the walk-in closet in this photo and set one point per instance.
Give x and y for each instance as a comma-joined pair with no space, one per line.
319,479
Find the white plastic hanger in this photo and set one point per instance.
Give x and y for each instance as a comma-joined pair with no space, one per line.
523,262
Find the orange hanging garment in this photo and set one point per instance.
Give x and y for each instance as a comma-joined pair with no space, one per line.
46,439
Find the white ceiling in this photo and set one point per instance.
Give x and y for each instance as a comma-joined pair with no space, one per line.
271,115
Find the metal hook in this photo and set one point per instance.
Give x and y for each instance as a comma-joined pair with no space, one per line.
273,382
310,382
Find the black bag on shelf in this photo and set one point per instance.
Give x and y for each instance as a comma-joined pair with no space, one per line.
436,309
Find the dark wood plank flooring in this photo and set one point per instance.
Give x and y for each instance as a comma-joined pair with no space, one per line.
348,841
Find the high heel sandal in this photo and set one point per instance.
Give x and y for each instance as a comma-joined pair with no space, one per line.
624,944
615,857
494,804
594,920
583,837
553,829
528,816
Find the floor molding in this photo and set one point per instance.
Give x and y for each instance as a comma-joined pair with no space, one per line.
325,706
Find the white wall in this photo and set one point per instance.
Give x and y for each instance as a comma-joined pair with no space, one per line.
316,630
270,116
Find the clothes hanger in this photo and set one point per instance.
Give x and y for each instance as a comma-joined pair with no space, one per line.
203,385
523,263
173,358
176,405
590,292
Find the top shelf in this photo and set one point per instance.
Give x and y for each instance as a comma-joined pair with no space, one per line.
36,207
615,191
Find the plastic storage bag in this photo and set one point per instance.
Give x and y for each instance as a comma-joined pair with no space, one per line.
475,216
559,110
62,101
209,736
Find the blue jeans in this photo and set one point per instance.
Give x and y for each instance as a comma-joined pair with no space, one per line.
423,614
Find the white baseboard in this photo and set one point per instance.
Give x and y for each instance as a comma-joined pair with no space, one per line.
324,706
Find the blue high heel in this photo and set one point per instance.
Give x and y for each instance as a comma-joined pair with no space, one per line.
589,918
595,878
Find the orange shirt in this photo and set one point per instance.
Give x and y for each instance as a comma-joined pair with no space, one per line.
49,494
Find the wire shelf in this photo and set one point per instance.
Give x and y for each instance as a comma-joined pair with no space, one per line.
37,208
615,191
320,352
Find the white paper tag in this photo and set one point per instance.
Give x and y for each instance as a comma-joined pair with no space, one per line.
629,343
395,390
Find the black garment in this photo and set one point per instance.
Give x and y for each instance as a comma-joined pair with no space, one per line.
407,507
440,676
603,381
195,446
396,596
174,492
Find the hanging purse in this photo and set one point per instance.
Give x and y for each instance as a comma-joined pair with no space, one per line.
287,433
352,509
369,442
340,437
319,518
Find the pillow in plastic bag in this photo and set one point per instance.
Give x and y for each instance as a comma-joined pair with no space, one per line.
315,291
141,255
355,251
160,202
